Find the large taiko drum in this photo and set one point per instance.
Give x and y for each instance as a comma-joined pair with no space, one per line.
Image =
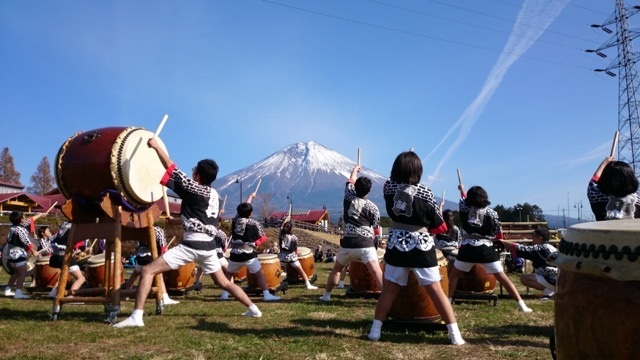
180,278
91,163
597,298
414,303
305,256
360,279
271,269
476,281
45,276
241,275
95,271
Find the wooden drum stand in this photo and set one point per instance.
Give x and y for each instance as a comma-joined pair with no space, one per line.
108,221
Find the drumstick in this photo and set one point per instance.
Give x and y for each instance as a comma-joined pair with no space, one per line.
166,202
358,156
256,191
459,178
164,120
224,202
171,241
615,144
56,203
411,150
442,195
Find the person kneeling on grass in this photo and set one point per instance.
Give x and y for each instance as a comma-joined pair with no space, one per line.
199,213
544,275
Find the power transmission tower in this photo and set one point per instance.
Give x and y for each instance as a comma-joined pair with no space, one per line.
628,82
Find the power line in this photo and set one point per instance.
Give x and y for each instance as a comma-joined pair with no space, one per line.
411,33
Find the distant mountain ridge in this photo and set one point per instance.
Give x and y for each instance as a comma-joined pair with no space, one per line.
311,174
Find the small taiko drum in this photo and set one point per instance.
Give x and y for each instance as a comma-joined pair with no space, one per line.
241,275
597,298
271,269
95,271
91,163
305,256
414,303
45,276
476,281
180,278
360,279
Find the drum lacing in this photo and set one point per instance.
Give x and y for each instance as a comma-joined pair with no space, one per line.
591,250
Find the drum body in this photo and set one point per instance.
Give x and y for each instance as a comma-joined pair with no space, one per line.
241,275
271,269
45,276
476,281
305,256
180,278
414,303
360,279
110,159
95,271
597,298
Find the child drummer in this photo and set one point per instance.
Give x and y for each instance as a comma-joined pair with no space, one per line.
289,251
199,213
246,236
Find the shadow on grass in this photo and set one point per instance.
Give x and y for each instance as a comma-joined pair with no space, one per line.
93,315
503,335
317,329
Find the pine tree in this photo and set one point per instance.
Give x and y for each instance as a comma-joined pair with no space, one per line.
8,171
41,180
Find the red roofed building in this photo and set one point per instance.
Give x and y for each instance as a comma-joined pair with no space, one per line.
315,217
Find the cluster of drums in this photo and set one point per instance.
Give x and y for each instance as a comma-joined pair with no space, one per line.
46,277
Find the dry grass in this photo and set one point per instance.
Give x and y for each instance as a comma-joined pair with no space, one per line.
299,327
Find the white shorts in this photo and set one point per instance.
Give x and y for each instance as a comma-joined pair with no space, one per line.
252,265
490,268
542,281
400,275
345,256
74,268
182,255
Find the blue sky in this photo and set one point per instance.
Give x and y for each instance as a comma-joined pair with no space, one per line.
499,89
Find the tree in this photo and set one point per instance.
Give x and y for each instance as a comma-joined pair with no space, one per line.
264,208
8,171
41,180
520,212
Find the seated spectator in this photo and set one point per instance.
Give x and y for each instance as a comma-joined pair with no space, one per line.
318,255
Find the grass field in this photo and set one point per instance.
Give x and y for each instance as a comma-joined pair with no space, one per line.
298,327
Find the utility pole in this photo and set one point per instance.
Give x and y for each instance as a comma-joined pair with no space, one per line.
628,82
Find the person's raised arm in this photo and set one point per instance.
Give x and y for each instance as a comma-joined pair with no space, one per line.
354,173
601,167
463,194
164,157
251,197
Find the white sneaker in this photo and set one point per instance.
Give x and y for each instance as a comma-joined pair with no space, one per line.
20,295
252,313
325,297
457,340
53,293
168,301
129,322
311,287
340,286
224,296
8,292
525,309
269,297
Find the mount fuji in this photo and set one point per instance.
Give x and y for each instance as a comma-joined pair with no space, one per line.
308,175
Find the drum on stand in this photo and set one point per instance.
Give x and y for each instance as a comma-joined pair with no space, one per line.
597,297
305,256
241,275
414,303
271,269
95,271
180,278
45,276
113,159
360,279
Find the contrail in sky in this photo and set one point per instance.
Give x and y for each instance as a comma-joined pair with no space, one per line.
540,13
